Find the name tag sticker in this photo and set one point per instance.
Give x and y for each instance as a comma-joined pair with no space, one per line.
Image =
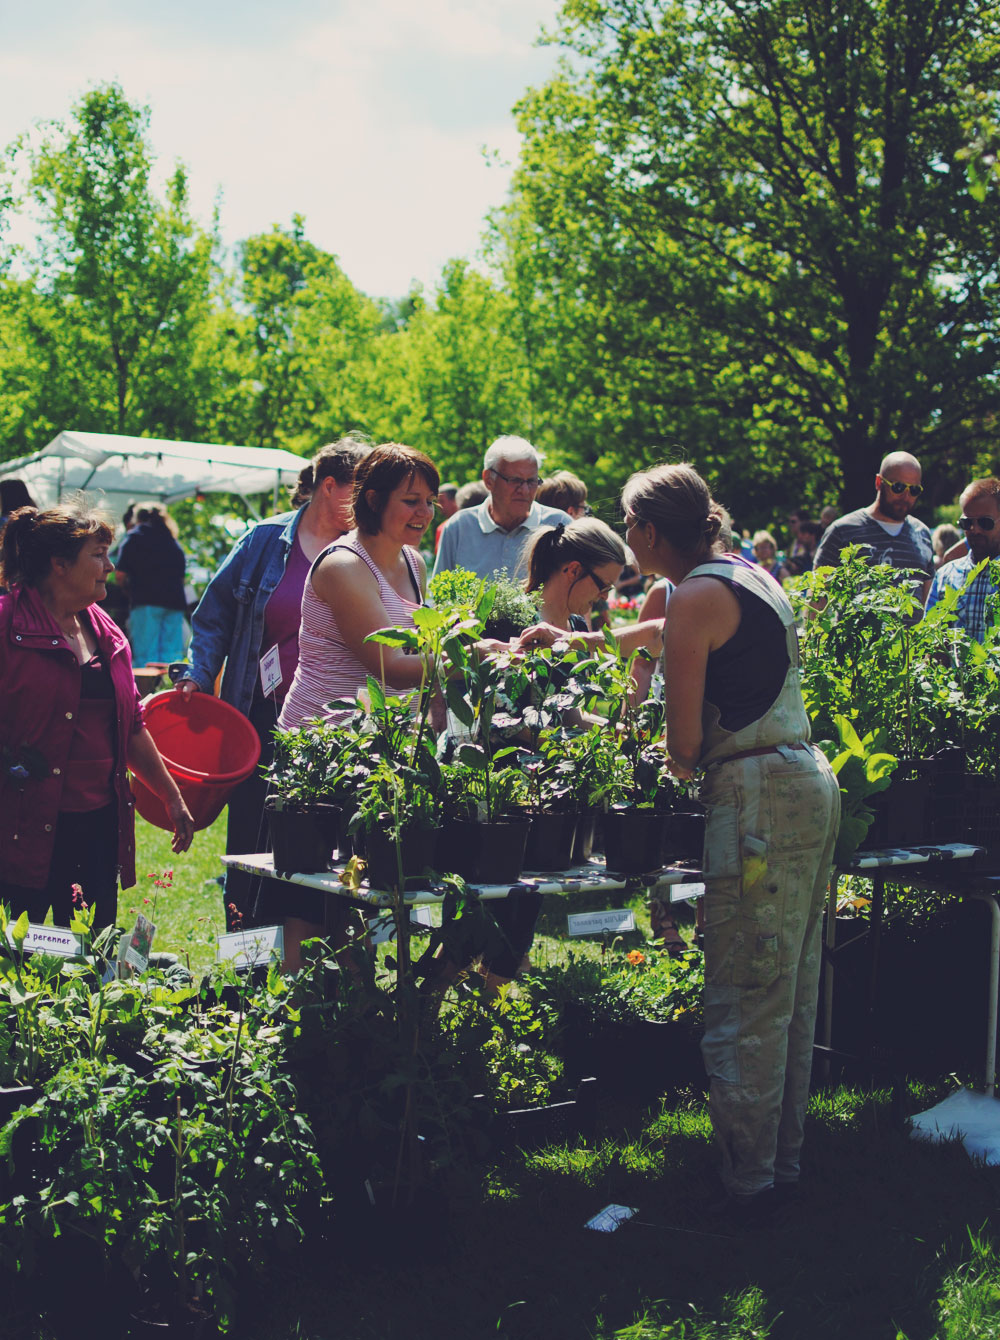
244,949
270,670
52,940
617,920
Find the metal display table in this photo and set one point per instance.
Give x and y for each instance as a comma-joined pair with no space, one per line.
591,877
878,863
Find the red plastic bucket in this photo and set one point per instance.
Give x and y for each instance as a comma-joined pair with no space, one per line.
208,748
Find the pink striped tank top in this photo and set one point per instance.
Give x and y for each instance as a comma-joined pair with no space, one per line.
327,668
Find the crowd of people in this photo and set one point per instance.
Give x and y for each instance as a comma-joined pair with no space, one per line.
304,590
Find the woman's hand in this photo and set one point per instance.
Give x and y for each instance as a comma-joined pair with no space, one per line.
180,817
187,686
542,635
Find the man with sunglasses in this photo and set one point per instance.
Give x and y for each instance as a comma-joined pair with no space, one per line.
885,527
494,535
980,522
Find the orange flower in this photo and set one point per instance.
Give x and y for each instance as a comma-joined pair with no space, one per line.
635,958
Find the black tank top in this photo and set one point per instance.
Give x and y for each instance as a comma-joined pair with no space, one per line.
744,676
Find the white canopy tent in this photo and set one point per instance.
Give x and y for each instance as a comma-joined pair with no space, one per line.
151,468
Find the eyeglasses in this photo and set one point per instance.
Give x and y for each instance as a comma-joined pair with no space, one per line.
515,482
897,486
602,587
983,522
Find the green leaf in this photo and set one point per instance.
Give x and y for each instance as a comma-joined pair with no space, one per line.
19,930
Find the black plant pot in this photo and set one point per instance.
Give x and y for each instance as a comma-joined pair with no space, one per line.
632,841
533,1127
17,1096
583,843
900,811
982,819
683,837
303,840
418,853
502,630
484,853
640,1059
550,841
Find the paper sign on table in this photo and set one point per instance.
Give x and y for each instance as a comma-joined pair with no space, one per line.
51,940
270,670
610,1218
617,920
244,949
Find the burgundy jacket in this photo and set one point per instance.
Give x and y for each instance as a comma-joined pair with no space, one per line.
39,700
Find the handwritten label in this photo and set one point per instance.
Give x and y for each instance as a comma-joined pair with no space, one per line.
247,948
270,670
617,920
610,1218
383,928
51,940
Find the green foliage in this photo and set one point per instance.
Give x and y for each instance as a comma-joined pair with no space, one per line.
862,768
623,986
741,233
119,285
867,656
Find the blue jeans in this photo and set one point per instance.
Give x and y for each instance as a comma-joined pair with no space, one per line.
157,635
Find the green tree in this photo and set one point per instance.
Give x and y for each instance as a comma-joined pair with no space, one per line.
120,279
308,331
756,218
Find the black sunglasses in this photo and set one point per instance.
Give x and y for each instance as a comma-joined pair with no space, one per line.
983,522
602,587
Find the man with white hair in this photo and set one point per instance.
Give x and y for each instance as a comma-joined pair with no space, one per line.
494,535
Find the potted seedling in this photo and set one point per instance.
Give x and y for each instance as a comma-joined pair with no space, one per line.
305,826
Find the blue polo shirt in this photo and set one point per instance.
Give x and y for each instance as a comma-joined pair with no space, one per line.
472,539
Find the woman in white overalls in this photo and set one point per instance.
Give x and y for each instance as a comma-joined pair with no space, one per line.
735,715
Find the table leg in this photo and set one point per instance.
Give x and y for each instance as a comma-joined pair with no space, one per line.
831,944
994,990
875,916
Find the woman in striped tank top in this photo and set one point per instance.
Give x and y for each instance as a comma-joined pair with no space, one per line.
371,578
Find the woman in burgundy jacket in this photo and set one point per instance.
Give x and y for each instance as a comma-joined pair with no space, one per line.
70,724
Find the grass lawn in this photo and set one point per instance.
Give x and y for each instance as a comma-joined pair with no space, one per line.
189,914
893,1240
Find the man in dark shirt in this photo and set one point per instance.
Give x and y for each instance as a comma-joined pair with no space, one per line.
886,528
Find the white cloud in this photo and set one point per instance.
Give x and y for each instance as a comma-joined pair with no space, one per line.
370,123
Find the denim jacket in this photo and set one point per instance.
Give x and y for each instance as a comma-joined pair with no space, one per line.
228,624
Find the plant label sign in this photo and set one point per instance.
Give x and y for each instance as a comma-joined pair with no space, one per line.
682,893
51,940
244,949
610,1218
270,670
134,950
616,921
383,929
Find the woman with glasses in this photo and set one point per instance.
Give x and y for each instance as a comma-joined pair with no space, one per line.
575,567
735,715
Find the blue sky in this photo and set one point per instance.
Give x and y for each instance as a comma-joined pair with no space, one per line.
367,116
